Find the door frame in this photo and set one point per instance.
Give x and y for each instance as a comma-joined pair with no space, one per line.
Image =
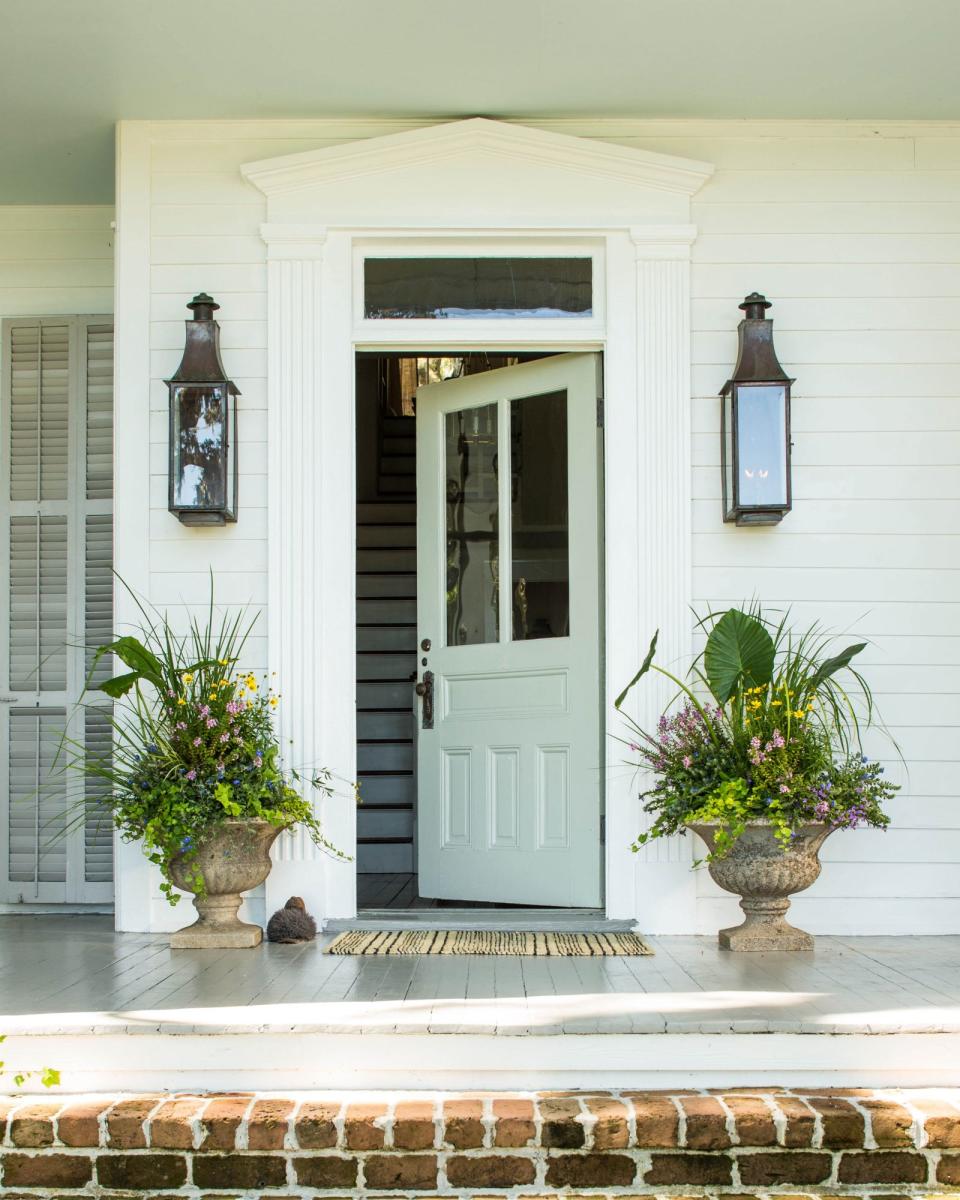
315,331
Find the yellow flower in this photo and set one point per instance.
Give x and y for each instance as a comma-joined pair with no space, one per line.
224,683
251,682
800,714
181,700
274,702
776,703
187,677
224,662
213,695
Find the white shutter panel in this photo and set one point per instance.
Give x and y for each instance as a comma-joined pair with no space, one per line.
38,800
39,411
97,826
38,604
99,412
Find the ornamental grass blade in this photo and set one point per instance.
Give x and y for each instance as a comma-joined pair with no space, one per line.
639,675
832,665
739,651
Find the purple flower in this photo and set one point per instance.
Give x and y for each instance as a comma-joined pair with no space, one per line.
191,775
211,723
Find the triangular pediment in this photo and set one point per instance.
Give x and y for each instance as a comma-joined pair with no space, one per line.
457,169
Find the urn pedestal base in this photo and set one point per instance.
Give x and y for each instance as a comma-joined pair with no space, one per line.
217,927
764,928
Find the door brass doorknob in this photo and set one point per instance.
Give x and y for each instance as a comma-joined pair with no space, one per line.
421,689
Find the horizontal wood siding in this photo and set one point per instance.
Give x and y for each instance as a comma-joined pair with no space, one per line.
853,230
55,260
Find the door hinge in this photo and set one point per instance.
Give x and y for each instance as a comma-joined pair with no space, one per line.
599,412
603,829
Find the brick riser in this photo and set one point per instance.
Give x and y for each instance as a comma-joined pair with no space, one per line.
613,1144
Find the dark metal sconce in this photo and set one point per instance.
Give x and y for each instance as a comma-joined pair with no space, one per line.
203,426
755,425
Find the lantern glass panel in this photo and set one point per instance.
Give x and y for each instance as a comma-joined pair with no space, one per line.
761,446
201,460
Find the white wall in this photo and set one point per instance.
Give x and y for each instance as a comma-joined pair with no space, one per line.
853,230
55,260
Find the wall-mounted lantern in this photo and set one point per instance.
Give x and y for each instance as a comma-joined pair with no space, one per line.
203,426
755,425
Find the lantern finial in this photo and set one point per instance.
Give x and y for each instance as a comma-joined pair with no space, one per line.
754,306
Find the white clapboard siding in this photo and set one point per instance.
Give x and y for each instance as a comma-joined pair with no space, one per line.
57,524
853,231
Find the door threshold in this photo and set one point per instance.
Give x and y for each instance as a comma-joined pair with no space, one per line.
520,920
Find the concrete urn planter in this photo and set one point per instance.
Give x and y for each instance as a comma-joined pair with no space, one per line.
234,858
764,876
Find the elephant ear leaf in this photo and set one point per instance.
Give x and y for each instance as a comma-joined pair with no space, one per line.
739,651
119,685
134,653
645,667
831,665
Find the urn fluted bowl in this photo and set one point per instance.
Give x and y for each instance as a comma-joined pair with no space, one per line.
233,858
764,875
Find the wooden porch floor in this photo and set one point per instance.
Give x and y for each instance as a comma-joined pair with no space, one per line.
72,992
72,965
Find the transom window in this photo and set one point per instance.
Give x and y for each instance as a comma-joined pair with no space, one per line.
468,288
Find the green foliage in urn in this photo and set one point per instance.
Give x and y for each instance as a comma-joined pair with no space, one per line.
768,730
194,743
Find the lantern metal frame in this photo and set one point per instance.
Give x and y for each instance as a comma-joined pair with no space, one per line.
202,367
757,366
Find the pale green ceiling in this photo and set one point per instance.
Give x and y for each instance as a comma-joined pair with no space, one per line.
70,68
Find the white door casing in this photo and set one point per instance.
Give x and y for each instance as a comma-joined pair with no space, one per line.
464,184
508,781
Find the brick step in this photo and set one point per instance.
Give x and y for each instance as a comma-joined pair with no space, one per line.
606,1143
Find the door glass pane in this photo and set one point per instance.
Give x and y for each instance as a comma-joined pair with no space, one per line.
459,288
473,584
540,527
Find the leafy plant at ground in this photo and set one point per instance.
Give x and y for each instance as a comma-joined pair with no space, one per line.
48,1076
194,743
766,732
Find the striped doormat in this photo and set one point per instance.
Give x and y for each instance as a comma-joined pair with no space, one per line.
506,942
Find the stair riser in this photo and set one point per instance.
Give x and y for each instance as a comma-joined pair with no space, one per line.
392,756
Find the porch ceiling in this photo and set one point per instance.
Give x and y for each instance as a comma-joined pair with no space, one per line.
69,71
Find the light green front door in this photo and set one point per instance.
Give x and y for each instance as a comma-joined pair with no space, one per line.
508,532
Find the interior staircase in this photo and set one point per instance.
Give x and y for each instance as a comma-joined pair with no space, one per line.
386,654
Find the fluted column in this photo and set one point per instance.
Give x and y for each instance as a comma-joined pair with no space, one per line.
309,554
660,539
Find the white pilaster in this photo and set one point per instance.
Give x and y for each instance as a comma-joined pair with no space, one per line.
310,556
665,884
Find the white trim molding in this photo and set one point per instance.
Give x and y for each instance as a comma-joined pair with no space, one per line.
477,136
530,185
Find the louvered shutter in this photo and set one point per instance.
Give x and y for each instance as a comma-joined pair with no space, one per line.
98,826
58,409
38,798
99,381
38,603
